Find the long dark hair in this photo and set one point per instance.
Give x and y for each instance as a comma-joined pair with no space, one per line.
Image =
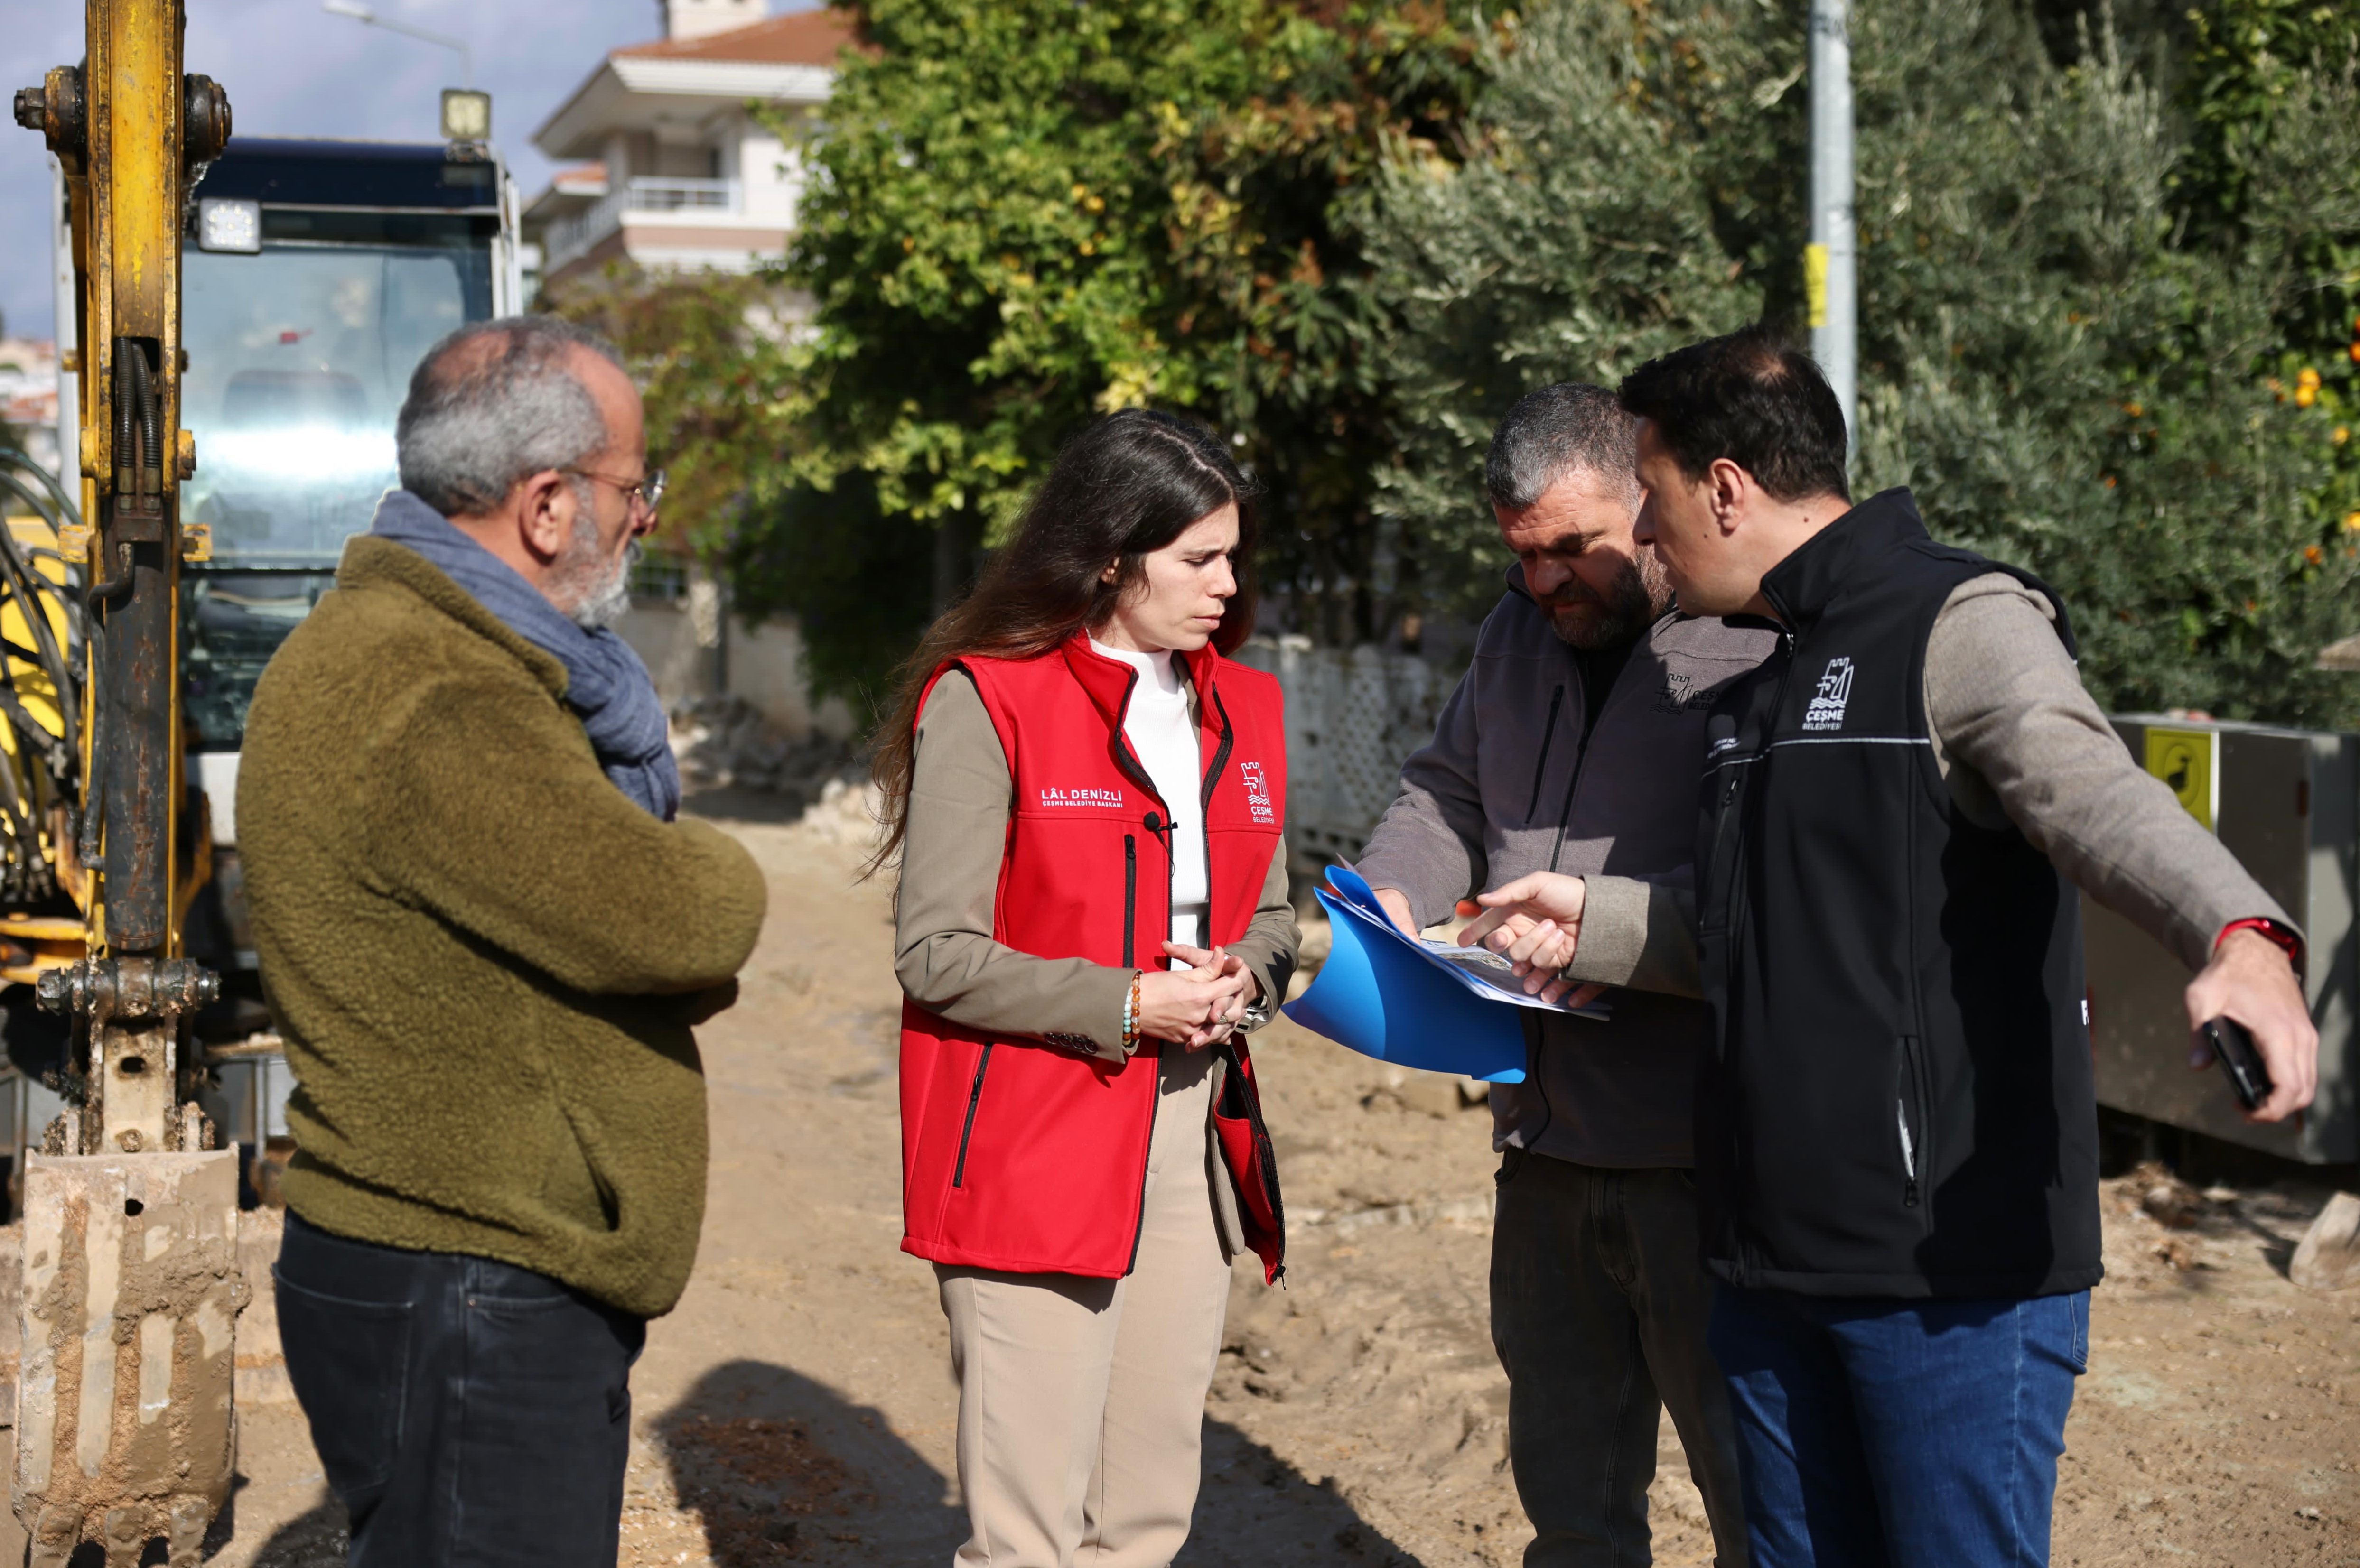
1124,488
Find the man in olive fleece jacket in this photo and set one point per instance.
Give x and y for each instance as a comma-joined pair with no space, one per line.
486,958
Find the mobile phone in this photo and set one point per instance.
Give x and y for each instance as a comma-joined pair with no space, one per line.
2234,1049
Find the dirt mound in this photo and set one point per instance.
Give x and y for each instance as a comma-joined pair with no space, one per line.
798,1405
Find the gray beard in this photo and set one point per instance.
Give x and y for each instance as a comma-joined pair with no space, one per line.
601,590
1641,593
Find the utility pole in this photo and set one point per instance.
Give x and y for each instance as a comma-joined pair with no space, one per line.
1829,269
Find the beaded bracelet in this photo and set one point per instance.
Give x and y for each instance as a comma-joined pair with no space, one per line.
1130,1017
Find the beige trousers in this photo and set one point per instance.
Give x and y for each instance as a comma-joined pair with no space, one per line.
1082,1401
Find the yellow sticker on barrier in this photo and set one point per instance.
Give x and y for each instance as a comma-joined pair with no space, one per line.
1815,285
2184,761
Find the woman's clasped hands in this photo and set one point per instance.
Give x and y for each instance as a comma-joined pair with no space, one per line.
1198,1006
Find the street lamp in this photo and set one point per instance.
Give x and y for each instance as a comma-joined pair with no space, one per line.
362,14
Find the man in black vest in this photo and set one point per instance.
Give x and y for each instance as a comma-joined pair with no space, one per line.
1896,1140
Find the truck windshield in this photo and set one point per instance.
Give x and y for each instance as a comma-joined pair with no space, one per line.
299,358
297,361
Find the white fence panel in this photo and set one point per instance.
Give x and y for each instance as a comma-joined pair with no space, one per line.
1353,716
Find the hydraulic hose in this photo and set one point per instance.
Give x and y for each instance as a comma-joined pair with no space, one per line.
151,418
31,588
17,458
126,404
67,515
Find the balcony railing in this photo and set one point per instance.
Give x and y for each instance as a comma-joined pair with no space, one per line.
570,237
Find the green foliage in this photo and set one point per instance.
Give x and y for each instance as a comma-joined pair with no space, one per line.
1024,214
2247,62
844,571
2068,372
721,380
728,419
2069,382
1626,192
2107,325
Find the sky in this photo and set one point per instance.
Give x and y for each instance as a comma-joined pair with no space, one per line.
292,70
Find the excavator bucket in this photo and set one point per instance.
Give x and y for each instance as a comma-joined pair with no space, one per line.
132,1289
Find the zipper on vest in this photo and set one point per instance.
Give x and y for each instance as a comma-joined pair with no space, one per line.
1213,773
1130,896
1728,796
974,1098
1133,769
1155,1096
1908,1158
1548,735
1910,1115
1205,813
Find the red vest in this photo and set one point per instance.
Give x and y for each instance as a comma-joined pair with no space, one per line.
1021,1155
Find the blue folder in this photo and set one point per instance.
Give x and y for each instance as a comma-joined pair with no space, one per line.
1412,1003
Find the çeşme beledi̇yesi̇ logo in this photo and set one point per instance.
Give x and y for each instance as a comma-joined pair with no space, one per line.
1258,800
1827,709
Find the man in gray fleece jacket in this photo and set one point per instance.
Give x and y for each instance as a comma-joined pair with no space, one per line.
1572,745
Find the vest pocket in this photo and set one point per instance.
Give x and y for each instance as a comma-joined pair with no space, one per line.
967,1130
1910,1119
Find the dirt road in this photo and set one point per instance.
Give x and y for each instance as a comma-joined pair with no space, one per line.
798,1406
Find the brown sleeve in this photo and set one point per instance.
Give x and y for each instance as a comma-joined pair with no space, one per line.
1272,942
943,950
2013,727
446,839
1640,934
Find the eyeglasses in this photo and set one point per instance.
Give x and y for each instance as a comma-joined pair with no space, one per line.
648,492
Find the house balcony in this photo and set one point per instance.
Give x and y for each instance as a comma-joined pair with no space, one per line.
646,202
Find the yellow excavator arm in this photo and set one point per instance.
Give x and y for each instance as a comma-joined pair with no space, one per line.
124,1430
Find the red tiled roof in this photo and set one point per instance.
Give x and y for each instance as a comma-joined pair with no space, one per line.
800,38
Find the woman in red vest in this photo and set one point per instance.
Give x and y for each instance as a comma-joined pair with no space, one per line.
1086,797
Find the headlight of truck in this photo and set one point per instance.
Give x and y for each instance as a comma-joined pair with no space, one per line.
229,225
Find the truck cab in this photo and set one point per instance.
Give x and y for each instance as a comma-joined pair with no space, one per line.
315,274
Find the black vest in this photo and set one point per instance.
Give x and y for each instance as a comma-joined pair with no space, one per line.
1899,1100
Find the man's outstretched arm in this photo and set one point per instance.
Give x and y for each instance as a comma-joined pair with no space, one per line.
2005,702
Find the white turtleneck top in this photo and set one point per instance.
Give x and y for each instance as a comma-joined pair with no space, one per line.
1163,731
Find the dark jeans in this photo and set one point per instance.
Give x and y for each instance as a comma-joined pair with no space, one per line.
466,1411
1918,1433
1599,1312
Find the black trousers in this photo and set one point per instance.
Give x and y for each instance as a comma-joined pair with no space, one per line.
466,1411
1598,1311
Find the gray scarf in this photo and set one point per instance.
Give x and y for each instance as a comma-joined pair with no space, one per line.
608,686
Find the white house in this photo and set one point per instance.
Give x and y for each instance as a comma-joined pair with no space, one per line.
669,168
28,395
